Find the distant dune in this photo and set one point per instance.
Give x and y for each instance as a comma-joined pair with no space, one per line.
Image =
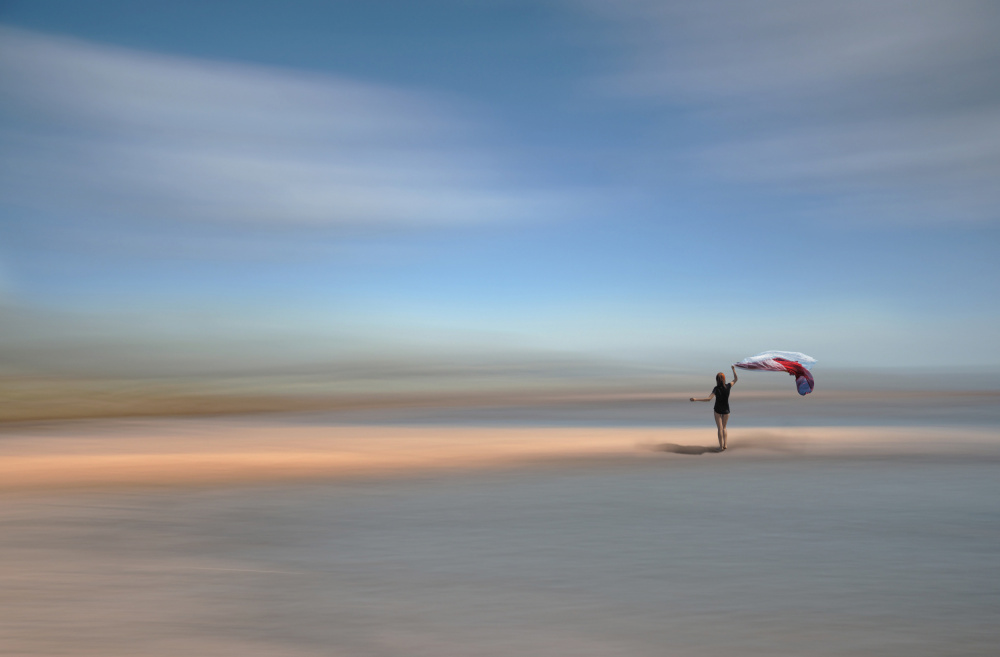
36,398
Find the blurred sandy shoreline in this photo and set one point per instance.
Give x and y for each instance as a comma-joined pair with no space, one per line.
266,536
175,452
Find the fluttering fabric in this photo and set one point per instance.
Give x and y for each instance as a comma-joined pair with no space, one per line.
791,362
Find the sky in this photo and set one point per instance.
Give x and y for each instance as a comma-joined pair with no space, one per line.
674,185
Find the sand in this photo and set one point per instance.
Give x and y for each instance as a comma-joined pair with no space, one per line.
188,452
251,537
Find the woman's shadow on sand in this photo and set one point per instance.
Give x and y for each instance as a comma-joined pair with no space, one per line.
690,450
755,440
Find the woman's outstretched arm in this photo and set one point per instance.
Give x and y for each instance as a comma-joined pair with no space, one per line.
735,376
709,398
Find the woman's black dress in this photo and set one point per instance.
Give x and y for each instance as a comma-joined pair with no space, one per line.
722,398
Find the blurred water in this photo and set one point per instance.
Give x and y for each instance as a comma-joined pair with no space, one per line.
871,409
638,557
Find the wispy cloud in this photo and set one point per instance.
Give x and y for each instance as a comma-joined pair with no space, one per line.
890,106
94,131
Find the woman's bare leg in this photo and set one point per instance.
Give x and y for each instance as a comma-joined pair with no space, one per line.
720,424
725,434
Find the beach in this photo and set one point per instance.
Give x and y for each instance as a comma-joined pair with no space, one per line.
272,537
372,329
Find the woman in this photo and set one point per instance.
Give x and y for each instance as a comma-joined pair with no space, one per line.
721,394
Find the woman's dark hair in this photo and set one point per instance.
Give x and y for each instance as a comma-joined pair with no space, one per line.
720,379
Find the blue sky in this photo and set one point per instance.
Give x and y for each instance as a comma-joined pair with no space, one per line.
676,184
